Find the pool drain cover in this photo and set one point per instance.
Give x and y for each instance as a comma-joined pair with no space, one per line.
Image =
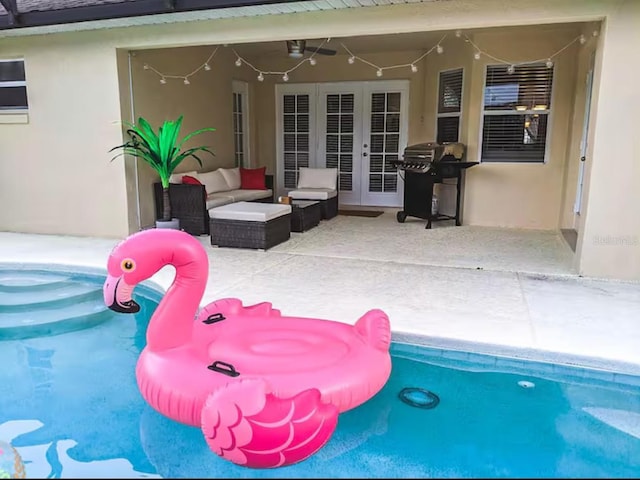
419,397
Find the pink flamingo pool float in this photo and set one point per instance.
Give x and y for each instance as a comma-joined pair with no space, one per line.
266,389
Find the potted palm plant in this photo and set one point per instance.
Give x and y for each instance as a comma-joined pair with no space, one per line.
163,152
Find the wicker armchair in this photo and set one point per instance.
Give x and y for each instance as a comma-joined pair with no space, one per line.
188,203
318,184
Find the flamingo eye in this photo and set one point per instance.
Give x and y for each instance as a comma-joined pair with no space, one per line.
128,265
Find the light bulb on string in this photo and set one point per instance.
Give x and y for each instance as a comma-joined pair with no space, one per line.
285,77
186,81
207,67
511,69
379,72
476,55
238,62
351,59
260,77
414,69
145,66
458,33
163,81
549,63
582,39
312,61
439,48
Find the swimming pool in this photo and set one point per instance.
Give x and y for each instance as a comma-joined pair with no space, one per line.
71,406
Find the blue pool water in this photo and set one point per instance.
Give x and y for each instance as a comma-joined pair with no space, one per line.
71,407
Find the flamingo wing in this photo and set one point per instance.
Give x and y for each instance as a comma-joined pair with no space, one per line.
245,423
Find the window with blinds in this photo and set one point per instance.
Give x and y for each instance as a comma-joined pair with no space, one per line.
449,105
296,131
238,130
516,112
13,86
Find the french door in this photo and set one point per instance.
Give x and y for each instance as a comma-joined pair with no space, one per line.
356,127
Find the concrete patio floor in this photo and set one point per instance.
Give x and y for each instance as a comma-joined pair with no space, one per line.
484,290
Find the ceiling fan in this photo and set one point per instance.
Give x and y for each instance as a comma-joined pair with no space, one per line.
297,49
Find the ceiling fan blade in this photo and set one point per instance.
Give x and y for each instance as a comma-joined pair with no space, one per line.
321,51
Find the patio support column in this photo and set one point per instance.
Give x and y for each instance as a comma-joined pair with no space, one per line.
609,234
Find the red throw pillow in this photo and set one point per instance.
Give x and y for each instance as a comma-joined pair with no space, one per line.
190,180
253,178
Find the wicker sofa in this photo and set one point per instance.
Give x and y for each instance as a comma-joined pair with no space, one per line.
191,202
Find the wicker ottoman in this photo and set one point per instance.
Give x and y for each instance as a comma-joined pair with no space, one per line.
250,225
305,215
328,199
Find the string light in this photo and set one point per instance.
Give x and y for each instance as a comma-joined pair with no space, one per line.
477,55
512,65
379,69
284,74
185,78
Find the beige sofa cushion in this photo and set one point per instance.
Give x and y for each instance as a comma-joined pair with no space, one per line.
217,200
232,177
214,182
177,177
246,195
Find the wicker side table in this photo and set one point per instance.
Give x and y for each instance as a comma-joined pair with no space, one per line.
305,214
250,225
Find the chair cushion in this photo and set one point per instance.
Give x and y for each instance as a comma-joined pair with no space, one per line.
253,178
214,182
250,211
232,177
313,193
318,178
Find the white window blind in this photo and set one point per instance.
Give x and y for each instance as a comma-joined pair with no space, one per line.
296,146
516,113
240,92
13,87
449,105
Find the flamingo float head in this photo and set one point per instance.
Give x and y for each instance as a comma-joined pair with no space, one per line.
137,258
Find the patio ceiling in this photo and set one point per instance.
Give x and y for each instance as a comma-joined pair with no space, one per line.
23,15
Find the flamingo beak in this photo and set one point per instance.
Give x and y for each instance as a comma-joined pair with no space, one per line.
117,295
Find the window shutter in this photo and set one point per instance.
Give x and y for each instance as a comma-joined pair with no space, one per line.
448,129
450,91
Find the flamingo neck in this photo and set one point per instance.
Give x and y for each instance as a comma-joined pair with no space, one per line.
172,322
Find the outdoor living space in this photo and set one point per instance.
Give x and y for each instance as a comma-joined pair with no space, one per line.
355,103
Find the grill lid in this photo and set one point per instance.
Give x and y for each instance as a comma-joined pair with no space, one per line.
434,152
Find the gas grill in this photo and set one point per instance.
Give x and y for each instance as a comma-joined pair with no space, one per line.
424,165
